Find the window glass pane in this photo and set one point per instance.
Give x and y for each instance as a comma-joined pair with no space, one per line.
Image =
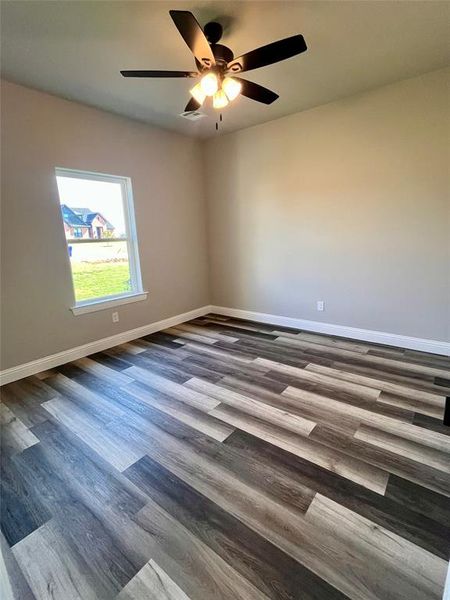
91,209
99,269
96,210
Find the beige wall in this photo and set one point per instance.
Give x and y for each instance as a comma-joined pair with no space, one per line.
346,203
40,132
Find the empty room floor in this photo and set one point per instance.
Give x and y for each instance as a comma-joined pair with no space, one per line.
226,459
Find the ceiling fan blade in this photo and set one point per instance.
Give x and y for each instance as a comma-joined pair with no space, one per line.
193,35
192,105
200,66
267,55
159,73
256,92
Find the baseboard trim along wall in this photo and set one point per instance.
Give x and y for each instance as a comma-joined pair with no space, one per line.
367,335
54,360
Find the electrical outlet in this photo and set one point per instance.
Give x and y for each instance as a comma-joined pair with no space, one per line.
320,305
115,317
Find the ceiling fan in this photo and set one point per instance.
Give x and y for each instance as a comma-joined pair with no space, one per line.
217,67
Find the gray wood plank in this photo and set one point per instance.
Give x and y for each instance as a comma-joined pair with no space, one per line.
249,405
183,412
152,583
371,477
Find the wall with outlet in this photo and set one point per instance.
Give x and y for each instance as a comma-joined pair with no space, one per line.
338,214
346,203
40,132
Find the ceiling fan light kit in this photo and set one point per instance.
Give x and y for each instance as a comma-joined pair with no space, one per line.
209,84
198,94
220,99
222,91
217,66
232,88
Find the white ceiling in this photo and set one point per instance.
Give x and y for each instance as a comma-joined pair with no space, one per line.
75,49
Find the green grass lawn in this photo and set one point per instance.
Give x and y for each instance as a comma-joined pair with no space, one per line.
92,280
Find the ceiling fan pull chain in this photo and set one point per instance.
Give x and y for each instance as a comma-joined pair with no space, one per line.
219,121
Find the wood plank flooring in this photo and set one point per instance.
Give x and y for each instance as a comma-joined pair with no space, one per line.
226,459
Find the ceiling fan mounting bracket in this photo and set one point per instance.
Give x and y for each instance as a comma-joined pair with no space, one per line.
213,32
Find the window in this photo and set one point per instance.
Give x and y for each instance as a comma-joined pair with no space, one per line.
98,217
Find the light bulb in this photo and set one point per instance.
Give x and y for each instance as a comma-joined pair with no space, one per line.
198,93
231,87
209,84
220,99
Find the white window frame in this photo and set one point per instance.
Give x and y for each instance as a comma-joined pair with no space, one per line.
137,294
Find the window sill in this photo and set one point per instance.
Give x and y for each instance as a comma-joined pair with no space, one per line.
97,305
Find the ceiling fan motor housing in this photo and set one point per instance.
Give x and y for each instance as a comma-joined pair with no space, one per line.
213,32
222,54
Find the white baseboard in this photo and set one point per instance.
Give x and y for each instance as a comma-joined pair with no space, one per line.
367,335
54,360
379,337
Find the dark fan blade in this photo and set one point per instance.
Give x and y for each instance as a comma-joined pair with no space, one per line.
269,54
256,92
193,35
159,73
192,105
